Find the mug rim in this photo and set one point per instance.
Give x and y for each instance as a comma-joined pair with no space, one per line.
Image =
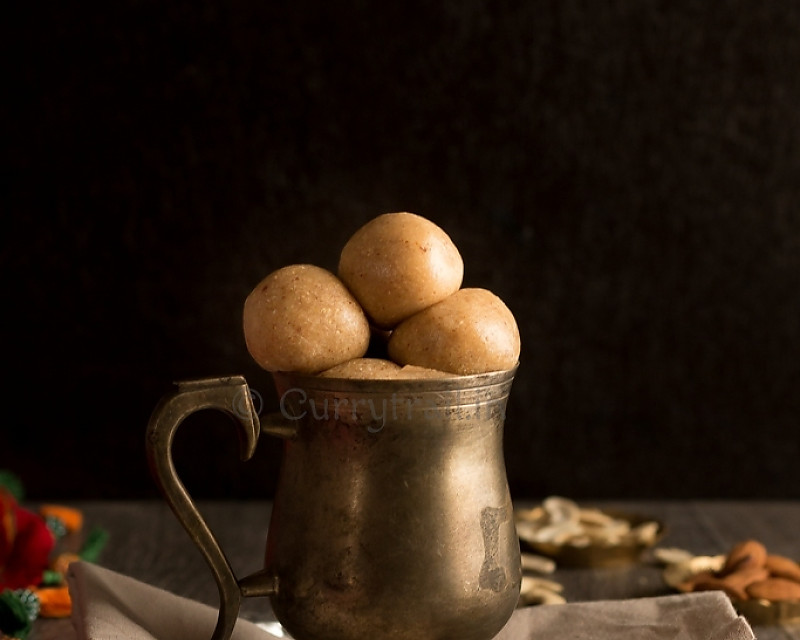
449,383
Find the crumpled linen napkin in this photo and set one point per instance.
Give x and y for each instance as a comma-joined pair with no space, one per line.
708,615
107,605
111,606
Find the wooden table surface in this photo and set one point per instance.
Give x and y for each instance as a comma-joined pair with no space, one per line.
147,543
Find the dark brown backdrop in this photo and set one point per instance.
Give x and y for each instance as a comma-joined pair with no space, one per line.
623,174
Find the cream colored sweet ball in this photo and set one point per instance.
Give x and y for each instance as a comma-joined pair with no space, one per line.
471,331
363,369
381,369
398,264
413,372
302,318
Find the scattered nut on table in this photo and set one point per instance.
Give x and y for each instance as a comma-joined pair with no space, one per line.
537,563
535,591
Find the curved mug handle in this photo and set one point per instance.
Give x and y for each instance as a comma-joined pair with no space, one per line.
232,396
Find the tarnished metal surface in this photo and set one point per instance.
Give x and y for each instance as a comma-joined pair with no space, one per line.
232,396
392,517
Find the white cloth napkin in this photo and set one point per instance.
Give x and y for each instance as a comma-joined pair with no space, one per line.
708,615
111,606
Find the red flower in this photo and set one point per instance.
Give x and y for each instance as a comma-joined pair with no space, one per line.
25,545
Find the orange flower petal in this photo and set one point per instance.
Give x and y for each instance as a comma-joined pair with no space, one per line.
54,601
62,561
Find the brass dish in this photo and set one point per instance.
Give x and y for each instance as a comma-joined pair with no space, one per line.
597,555
765,612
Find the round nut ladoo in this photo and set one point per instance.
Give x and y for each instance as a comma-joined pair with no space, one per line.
413,372
363,369
471,331
398,264
302,318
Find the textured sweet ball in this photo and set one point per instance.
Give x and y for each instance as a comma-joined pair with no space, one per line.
398,264
380,369
413,372
302,318
363,369
470,331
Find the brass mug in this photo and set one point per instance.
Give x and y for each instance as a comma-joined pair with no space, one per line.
392,516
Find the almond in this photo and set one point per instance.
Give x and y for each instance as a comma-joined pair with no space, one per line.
750,553
743,577
781,567
774,589
690,584
711,583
